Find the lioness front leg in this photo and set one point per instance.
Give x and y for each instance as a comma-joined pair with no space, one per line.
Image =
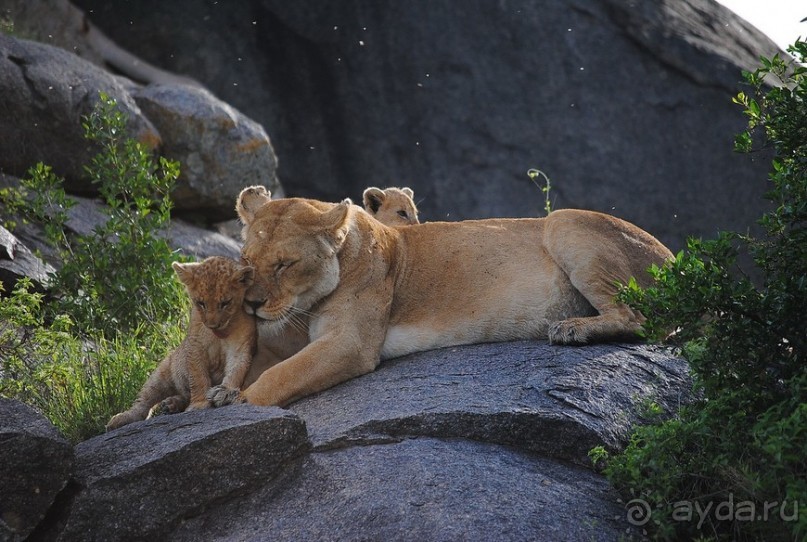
319,366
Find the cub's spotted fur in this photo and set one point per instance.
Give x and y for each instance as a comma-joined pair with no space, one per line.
218,348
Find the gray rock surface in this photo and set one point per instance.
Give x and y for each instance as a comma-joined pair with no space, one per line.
625,105
422,489
46,91
480,442
35,464
143,480
17,261
61,24
515,394
87,213
220,150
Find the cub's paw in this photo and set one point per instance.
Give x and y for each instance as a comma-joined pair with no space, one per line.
572,331
221,395
171,405
121,419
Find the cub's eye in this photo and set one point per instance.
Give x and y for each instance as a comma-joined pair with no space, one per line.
403,214
226,303
200,304
246,261
282,266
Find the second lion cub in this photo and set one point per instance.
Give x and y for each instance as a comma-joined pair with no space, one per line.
391,206
218,348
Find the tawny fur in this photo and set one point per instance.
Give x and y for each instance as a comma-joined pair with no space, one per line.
217,349
371,292
391,206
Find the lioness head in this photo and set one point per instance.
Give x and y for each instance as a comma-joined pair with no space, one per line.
216,287
293,245
391,206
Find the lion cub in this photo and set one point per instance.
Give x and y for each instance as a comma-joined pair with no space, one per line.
218,348
391,206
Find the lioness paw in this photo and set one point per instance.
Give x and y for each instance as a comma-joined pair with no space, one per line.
571,332
221,395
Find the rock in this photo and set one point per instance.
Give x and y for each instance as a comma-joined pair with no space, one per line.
142,480
88,213
46,91
61,24
514,394
35,464
188,239
421,489
220,150
473,442
16,261
626,106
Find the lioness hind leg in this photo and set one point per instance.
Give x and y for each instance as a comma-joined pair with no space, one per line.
615,321
598,252
613,326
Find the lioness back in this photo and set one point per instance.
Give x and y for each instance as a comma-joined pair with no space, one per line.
370,291
218,346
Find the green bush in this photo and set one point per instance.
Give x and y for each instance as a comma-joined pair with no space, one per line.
119,275
114,308
743,444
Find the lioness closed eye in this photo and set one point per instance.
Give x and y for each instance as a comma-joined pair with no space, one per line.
218,347
373,292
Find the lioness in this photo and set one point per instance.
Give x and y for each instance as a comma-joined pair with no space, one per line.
393,206
373,292
218,347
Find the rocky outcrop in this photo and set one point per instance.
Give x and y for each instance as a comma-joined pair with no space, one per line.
86,214
35,464
17,261
475,442
220,150
514,395
141,481
46,92
625,105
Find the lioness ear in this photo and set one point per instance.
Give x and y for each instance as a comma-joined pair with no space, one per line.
408,192
336,222
249,201
373,199
184,271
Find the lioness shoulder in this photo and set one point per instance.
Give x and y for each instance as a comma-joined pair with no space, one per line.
218,346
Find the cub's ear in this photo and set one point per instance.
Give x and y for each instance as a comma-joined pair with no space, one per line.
249,201
408,192
373,199
185,271
337,221
245,275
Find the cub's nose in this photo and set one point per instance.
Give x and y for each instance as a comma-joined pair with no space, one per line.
254,304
